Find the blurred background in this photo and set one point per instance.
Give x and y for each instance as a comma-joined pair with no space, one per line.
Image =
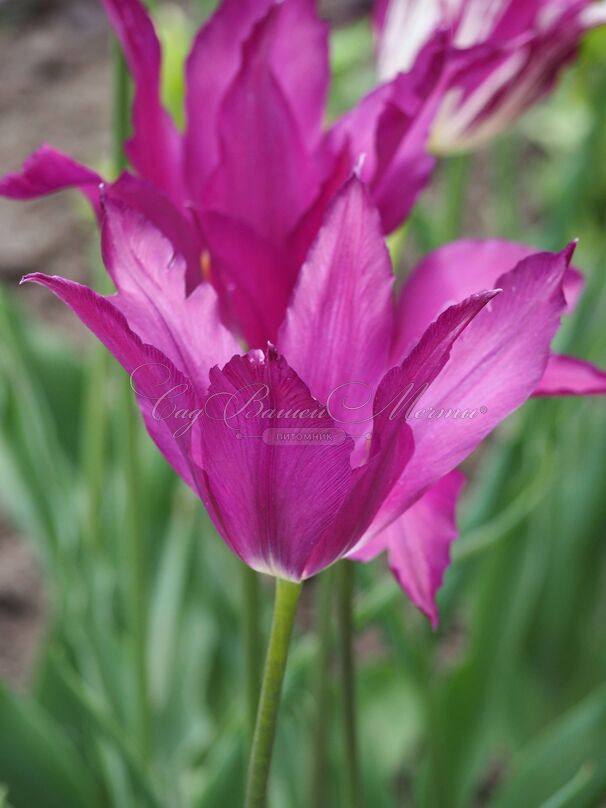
504,706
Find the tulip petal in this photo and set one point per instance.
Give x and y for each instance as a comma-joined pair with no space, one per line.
569,376
493,368
343,301
392,445
404,165
149,273
389,130
453,272
396,396
170,220
594,14
47,171
155,148
265,178
257,288
309,225
152,373
418,543
212,65
299,59
270,499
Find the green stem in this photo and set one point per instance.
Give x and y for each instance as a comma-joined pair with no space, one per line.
324,598
137,594
252,643
121,109
350,730
287,597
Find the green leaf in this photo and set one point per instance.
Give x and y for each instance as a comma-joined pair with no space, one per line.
38,763
574,743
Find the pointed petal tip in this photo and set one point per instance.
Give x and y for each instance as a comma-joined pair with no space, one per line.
488,296
429,609
569,250
31,277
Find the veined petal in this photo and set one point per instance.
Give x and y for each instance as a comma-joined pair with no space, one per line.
155,148
149,273
405,27
453,272
343,302
213,63
569,376
493,368
418,543
256,289
153,375
47,171
271,498
265,178
310,223
298,56
170,220
300,59
392,445
389,132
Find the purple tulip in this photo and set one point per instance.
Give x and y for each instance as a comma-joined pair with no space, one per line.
507,54
343,438
255,168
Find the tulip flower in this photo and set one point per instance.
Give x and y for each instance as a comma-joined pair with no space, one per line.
507,55
343,437
255,168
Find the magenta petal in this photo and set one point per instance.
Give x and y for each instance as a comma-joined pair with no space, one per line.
149,273
343,302
389,129
398,393
390,450
169,219
212,65
403,164
256,290
453,272
569,376
493,368
47,171
307,229
298,57
153,374
271,500
418,543
265,179
155,148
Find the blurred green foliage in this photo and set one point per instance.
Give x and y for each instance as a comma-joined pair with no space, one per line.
504,706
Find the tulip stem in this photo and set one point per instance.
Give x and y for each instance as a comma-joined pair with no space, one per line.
287,597
252,644
324,601
346,638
